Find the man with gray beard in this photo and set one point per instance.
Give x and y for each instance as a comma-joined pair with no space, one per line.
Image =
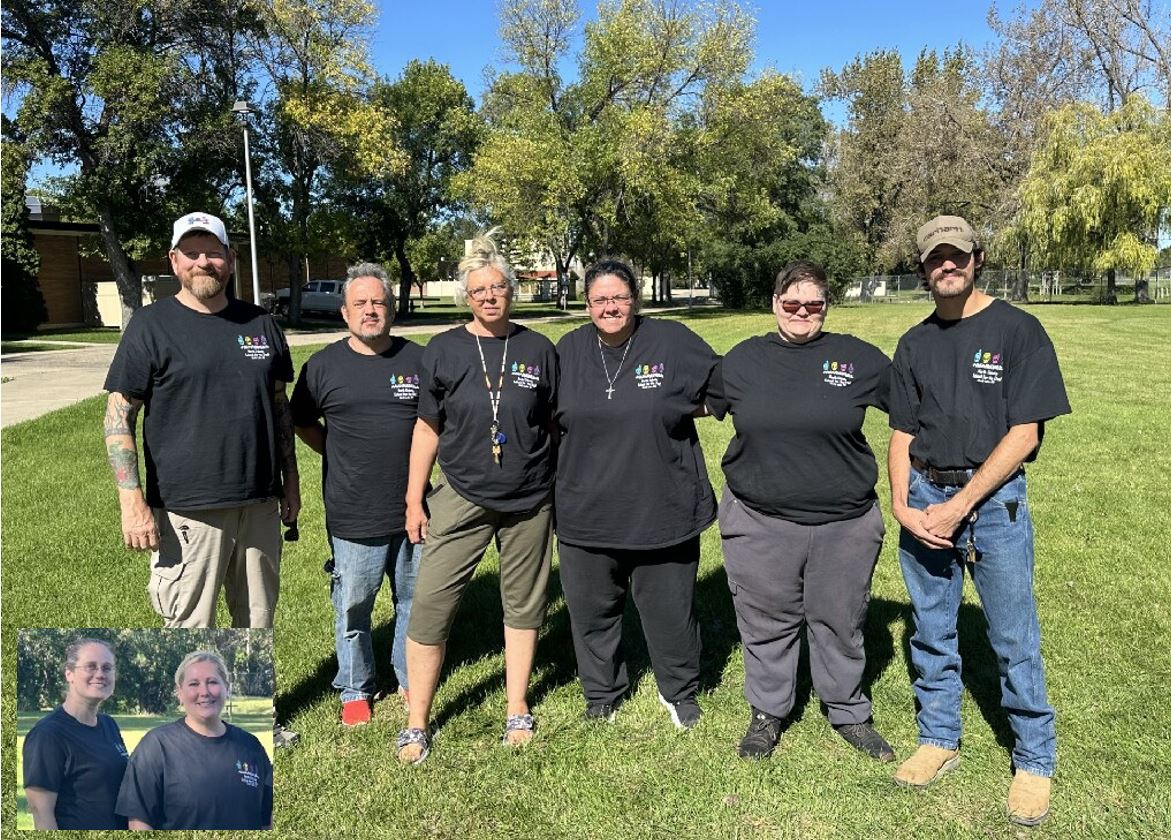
221,468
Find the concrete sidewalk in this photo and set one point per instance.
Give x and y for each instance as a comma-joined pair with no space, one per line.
40,382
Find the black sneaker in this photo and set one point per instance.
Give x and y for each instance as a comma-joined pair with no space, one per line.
685,714
601,712
762,737
865,738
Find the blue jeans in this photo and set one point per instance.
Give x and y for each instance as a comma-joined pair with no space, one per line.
358,567
1003,575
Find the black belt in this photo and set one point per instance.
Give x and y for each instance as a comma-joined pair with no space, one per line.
944,478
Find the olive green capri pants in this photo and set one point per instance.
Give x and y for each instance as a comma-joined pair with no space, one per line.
457,534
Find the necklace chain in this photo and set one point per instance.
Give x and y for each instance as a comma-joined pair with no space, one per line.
610,380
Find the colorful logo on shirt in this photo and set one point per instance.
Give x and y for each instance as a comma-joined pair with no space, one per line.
247,773
648,376
121,748
254,346
986,367
838,374
404,386
526,376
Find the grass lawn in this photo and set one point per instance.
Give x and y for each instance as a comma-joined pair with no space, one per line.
251,713
28,347
1102,506
96,335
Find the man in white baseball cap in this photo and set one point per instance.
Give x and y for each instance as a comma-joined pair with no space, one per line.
221,469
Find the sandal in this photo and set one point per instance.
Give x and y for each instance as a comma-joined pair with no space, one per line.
413,737
521,726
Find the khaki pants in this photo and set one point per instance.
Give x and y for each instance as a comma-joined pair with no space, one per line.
457,535
238,548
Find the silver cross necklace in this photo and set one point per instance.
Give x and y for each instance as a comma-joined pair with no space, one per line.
610,380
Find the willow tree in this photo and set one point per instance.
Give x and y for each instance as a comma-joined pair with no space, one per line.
1098,190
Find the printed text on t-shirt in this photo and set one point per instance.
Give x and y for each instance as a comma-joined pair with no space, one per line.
838,374
986,367
526,376
650,375
248,774
254,346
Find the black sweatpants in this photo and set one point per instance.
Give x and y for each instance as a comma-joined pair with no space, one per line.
662,581
784,575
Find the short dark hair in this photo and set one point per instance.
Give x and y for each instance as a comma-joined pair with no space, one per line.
802,271
609,266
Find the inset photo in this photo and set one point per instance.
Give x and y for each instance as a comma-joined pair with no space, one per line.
142,729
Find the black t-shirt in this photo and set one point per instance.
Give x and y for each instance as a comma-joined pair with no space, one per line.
369,404
82,764
179,779
453,395
207,382
630,470
799,452
959,385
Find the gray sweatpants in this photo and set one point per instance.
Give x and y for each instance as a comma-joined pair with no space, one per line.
783,575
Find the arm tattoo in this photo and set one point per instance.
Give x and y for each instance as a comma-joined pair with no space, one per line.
286,439
121,450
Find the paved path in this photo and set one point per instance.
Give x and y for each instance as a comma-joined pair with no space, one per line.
37,383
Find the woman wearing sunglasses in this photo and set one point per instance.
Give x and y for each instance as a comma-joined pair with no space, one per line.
799,517
632,492
74,758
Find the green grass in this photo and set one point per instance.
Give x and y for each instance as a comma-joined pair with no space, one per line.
1100,497
29,347
96,335
251,713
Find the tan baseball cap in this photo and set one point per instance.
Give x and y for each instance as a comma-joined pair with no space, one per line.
945,230
199,223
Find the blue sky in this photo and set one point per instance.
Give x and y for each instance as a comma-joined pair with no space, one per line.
796,37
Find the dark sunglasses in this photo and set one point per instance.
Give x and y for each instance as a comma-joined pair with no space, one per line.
813,307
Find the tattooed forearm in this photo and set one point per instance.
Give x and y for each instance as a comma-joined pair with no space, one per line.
121,449
286,439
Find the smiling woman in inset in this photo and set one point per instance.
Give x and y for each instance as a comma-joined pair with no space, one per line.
198,772
632,492
799,518
74,758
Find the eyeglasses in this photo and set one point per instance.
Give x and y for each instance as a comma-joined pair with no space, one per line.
813,307
497,290
621,300
92,668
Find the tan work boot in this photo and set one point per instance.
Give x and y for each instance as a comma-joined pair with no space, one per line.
927,764
1028,798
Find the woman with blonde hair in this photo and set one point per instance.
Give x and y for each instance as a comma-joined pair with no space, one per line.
198,772
74,758
485,404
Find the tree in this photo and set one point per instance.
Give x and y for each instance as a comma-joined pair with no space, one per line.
437,129
314,52
1098,189
23,306
562,161
136,95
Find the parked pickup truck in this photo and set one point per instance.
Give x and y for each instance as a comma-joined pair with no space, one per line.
317,296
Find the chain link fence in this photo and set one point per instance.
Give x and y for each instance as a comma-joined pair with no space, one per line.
1044,286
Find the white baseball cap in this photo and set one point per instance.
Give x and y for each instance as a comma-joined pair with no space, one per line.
195,222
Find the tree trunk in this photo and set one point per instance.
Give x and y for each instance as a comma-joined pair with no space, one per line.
1020,287
408,276
563,290
128,280
1142,291
1111,288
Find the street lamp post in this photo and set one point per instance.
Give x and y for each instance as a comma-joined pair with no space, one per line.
243,110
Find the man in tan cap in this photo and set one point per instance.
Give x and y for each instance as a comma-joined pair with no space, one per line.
221,468
973,385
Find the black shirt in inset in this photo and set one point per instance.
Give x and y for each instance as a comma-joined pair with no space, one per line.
959,385
454,396
179,779
369,404
630,469
82,764
207,380
799,452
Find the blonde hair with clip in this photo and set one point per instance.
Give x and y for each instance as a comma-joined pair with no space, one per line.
483,253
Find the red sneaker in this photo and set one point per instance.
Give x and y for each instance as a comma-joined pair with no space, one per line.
355,712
